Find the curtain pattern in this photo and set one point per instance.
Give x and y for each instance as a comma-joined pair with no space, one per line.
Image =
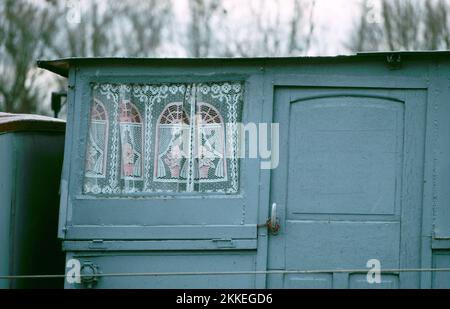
164,138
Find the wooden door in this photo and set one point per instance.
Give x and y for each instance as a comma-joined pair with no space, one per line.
348,187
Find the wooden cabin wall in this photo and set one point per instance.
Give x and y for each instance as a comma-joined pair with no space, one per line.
139,251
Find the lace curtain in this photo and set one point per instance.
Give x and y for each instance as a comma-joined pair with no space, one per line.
163,138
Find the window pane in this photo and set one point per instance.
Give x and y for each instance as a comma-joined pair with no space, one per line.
163,138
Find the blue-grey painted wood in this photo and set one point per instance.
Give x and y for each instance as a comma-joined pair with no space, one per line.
160,232
6,203
412,186
187,261
156,245
37,156
264,186
440,243
441,259
440,96
65,206
400,212
348,152
31,164
153,209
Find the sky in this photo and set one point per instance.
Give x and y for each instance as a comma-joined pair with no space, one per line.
333,19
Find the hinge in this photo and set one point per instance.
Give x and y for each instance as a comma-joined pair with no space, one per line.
224,243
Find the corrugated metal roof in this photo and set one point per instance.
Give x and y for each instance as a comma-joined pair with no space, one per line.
61,66
29,122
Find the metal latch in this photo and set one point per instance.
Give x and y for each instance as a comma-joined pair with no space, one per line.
272,223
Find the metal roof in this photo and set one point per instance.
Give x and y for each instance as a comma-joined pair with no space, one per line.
29,122
61,66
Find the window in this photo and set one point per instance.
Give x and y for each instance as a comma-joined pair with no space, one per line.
165,138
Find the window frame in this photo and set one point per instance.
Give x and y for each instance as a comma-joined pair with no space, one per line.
119,217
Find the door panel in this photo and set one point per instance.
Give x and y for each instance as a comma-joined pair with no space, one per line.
348,186
347,155
332,244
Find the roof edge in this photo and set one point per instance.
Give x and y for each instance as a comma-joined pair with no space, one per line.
61,66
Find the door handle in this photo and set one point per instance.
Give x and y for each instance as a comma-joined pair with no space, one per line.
272,223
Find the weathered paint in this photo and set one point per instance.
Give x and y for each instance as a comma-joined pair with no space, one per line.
29,185
355,192
6,155
441,260
346,122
